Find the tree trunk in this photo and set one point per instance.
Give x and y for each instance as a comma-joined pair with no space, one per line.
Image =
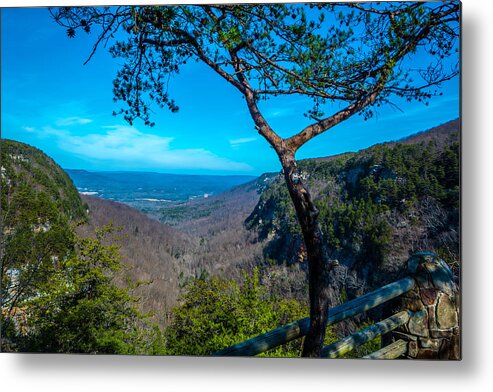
318,263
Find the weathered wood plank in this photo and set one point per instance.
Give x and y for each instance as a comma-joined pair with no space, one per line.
392,351
363,336
299,328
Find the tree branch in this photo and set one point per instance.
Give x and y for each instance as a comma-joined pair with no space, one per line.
385,71
309,132
263,127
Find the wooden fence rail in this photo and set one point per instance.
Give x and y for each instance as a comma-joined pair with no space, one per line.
427,327
298,329
365,335
392,351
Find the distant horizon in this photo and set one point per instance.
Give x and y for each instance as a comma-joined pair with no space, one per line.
254,175
165,173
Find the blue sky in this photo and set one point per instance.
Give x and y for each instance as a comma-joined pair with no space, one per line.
52,101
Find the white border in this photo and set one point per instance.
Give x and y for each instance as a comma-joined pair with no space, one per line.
111,373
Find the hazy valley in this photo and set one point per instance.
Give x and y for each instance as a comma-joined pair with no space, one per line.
253,225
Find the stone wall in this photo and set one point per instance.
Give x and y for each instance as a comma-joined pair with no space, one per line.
433,331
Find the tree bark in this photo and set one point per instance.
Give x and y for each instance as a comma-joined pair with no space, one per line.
318,263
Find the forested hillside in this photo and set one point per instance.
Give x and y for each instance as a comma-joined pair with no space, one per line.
153,252
65,288
58,291
206,238
377,207
38,205
29,176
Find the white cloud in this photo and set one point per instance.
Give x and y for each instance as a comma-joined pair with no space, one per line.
127,147
279,112
288,109
235,143
29,129
70,121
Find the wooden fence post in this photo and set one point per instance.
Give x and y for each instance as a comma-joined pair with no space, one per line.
433,332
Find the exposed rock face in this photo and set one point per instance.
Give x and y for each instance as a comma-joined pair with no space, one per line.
446,313
377,207
433,331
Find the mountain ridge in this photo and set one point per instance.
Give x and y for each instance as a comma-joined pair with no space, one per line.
437,133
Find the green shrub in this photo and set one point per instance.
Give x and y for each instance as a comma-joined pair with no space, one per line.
217,313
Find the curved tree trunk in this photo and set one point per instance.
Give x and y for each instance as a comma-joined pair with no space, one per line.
318,263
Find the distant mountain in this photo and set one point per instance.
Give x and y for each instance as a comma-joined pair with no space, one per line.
440,135
146,190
